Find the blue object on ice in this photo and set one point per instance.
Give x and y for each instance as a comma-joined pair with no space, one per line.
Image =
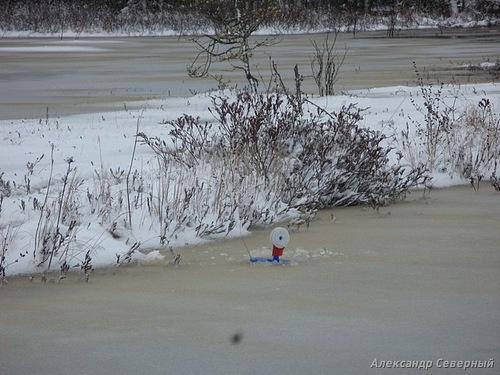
274,259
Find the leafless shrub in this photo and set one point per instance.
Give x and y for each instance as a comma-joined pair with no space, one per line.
256,128
495,181
127,258
326,63
3,251
232,25
190,139
340,163
63,271
56,230
86,267
7,237
479,146
434,132
265,158
463,142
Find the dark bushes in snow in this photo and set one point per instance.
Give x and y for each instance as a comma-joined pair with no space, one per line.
326,159
281,156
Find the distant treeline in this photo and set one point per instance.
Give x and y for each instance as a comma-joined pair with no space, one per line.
150,16
436,7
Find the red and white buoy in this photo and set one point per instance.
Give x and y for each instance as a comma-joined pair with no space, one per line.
279,238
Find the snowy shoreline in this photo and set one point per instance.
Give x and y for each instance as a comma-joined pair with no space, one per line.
101,146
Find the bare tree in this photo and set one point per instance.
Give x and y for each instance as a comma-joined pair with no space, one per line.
326,63
233,24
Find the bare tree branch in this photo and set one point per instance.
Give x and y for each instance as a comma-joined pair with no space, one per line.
326,63
233,23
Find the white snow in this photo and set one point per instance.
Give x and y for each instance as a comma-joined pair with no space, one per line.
49,49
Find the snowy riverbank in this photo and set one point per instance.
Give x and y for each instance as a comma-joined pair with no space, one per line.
91,155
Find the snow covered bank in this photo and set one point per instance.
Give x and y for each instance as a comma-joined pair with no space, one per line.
98,186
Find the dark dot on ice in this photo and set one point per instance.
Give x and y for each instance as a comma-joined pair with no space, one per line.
236,338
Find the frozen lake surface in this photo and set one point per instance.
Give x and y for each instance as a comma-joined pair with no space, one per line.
96,74
417,282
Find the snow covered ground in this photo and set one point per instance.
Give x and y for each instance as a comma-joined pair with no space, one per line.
100,148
